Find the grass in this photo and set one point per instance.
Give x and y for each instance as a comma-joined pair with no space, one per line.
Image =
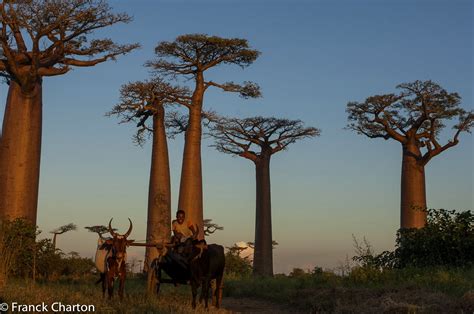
171,299
434,290
366,291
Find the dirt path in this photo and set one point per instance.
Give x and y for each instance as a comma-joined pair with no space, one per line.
246,305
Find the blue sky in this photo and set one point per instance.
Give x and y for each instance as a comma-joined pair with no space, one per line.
316,57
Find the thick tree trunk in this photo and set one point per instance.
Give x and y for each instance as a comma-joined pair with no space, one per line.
21,153
413,194
263,252
159,192
190,189
54,240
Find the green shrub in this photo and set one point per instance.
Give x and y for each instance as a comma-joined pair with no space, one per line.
19,235
446,240
235,265
17,242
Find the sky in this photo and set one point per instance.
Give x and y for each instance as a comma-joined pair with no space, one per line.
316,56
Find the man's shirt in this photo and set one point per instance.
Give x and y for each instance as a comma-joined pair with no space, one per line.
183,228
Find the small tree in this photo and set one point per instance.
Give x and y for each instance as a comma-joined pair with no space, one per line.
99,229
190,57
41,38
235,265
61,230
210,227
19,237
415,118
257,139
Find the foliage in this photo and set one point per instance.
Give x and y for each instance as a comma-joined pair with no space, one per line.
57,33
191,54
18,243
235,265
297,272
447,240
64,229
48,259
8,256
19,237
268,135
415,115
210,227
76,266
144,99
99,229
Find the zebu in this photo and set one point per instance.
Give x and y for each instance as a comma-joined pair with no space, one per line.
199,264
116,256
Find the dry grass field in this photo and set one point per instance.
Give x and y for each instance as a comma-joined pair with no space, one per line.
435,291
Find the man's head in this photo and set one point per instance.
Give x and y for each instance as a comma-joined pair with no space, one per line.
180,215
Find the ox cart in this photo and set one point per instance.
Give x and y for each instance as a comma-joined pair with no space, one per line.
182,268
174,265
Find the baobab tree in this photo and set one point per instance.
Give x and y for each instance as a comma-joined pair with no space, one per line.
99,229
268,136
41,38
211,227
141,102
189,57
61,230
414,117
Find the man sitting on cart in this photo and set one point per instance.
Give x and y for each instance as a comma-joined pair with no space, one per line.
183,229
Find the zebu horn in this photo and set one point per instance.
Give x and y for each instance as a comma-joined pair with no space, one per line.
111,231
129,229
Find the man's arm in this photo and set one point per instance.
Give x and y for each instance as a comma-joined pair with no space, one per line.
178,235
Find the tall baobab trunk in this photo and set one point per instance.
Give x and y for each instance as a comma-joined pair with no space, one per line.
54,240
159,193
21,153
263,252
413,194
190,189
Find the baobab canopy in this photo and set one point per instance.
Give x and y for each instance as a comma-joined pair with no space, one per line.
414,117
42,38
56,33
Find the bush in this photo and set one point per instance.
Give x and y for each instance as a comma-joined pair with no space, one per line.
18,259
7,260
19,238
235,265
447,240
76,266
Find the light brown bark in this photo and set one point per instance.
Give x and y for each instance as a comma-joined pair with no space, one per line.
190,189
413,193
21,153
159,191
263,252
54,240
